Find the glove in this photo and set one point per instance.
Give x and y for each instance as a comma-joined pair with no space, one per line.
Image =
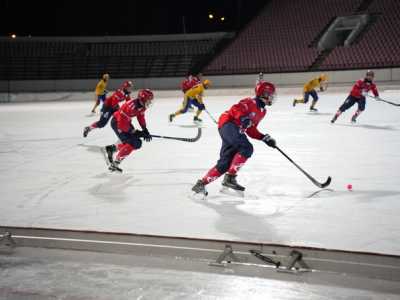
246,122
321,88
269,141
146,135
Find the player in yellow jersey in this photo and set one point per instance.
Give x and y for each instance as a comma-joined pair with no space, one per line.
193,96
309,90
101,91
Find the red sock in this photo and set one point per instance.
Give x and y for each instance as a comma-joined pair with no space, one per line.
237,162
124,151
211,176
93,126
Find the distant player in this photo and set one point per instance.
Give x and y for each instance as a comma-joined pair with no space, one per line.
260,77
240,120
101,91
187,84
357,95
193,96
309,90
123,128
111,105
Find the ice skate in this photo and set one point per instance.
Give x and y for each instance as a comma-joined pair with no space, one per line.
86,131
114,167
199,188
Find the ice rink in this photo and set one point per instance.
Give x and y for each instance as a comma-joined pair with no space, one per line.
51,176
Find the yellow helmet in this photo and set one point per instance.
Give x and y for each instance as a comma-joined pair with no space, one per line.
206,82
323,77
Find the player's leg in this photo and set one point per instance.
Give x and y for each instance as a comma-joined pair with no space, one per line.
314,95
200,108
106,114
96,103
301,100
184,108
349,102
361,107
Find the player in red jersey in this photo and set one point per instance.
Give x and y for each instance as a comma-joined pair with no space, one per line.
233,125
110,106
123,128
357,95
187,84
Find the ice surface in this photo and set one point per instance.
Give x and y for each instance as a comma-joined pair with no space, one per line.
52,177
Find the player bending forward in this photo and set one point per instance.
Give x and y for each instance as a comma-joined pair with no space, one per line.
309,90
233,125
357,95
110,106
193,96
123,128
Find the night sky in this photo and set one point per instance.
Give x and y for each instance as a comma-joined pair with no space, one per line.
117,17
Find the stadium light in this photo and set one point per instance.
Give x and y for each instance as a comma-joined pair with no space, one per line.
210,16
222,19
13,36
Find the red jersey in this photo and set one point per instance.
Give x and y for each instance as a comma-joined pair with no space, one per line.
116,97
131,108
189,82
362,87
247,108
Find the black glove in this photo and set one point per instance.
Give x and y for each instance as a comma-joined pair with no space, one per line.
146,135
269,141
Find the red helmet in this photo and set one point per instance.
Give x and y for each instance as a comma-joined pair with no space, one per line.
145,97
266,91
127,86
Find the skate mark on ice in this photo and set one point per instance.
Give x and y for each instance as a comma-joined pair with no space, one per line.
41,140
90,148
188,125
318,192
319,114
366,126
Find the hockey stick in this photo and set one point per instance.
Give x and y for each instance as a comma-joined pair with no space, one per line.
190,140
318,184
212,118
380,99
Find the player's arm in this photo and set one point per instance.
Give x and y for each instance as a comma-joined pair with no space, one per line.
145,134
375,90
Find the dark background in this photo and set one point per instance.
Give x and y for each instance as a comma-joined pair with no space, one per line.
117,17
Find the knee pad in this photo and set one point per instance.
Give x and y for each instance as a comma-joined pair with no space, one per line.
135,142
246,150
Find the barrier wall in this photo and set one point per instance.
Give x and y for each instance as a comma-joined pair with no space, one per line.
172,83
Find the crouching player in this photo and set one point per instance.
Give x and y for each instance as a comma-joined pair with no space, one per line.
309,90
110,106
357,95
193,96
123,128
234,125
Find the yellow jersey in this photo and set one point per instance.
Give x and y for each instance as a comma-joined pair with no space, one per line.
195,92
101,87
312,84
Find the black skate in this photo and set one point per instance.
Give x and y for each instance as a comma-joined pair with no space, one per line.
171,117
230,182
110,149
354,119
114,167
312,109
197,119
86,131
294,102
199,187
334,119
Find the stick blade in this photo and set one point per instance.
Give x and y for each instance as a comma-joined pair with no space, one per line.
326,183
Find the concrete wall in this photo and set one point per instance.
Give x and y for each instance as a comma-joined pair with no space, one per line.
173,83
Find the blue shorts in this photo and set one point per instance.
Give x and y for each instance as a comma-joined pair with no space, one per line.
101,98
350,101
189,102
311,93
233,141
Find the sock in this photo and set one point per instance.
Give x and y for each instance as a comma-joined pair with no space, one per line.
124,151
237,162
212,175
